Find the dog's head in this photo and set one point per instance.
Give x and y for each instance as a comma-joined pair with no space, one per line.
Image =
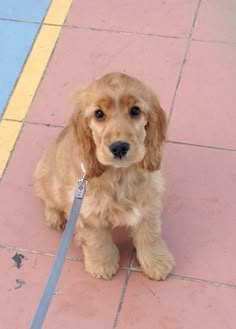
118,122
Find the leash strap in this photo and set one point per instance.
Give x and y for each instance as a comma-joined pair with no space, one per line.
60,255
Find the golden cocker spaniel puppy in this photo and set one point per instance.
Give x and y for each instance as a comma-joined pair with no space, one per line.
117,129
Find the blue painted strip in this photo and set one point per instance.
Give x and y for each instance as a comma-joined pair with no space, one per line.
16,40
29,10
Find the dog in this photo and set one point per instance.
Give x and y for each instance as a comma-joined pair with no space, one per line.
117,129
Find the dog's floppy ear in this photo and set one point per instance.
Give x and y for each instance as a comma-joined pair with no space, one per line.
84,138
155,136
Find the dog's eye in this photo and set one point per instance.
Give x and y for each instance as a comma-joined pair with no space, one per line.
134,111
99,114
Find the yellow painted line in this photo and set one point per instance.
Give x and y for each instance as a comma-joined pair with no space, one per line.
33,70
30,78
9,130
57,13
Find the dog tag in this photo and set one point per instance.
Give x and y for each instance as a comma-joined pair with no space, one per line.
80,189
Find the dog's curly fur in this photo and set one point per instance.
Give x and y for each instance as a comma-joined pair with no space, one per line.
122,190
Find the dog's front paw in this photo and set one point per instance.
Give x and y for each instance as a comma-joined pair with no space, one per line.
103,268
159,269
103,271
55,219
157,265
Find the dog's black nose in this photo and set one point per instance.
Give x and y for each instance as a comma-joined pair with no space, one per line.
119,149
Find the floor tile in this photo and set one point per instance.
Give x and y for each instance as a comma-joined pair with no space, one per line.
30,10
199,211
176,304
161,17
17,39
85,302
21,287
85,55
23,223
77,302
216,21
204,111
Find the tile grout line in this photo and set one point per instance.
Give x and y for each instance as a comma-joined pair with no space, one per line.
50,254
183,62
122,295
168,141
37,252
43,124
33,123
129,269
209,282
88,28
203,146
39,22
191,279
221,42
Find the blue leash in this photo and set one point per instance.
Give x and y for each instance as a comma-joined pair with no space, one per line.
61,253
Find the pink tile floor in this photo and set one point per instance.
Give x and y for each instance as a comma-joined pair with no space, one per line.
187,51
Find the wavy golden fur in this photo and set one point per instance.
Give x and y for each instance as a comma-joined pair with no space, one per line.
117,129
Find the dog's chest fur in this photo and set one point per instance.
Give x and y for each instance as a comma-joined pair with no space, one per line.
117,198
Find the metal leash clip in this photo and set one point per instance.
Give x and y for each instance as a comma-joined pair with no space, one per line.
81,183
